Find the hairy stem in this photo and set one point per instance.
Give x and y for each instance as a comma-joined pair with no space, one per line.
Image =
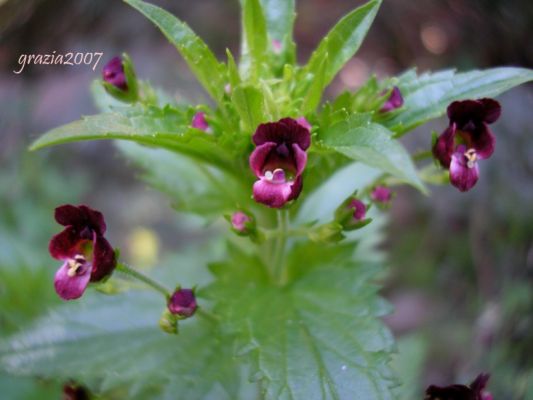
127,270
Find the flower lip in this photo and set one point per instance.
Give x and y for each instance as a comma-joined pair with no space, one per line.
113,73
183,303
464,170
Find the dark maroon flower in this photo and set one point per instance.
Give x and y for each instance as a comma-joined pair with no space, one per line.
87,255
381,194
469,125
475,391
394,101
279,160
113,73
199,121
183,303
73,391
467,139
359,210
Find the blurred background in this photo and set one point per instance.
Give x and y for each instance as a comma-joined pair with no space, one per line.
461,264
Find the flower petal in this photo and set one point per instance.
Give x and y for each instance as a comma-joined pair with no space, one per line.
286,130
462,176
259,157
94,219
443,148
104,260
68,214
71,287
300,158
65,244
113,73
491,110
274,195
483,141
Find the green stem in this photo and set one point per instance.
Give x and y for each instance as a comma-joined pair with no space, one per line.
281,241
207,315
127,270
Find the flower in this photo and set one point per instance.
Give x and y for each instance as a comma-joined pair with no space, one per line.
302,121
394,101
381,194
183,303
113,73
239,220
359,210
87,256
199,121
467,139
119,79
278,161
475,391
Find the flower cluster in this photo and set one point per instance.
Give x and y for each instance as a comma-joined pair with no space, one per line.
86,254
467,139
279,160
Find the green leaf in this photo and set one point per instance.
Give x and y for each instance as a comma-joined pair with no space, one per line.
195,188
196,53
166,128
108,343
343,41
314,94
249,102
255,39
372,144
317,338
280,16
427,96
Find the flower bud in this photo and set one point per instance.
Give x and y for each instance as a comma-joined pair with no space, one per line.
381,195
119,79
73,391
182,303
394,101
199,122
352,214
169,322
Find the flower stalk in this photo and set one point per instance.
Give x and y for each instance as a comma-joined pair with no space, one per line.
127,270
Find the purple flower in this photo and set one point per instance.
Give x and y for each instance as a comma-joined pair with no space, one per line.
183,303
278,161
394,101
239,220
467,139
113,73
475,391
87,256
469,125
359,210
199,121
381,194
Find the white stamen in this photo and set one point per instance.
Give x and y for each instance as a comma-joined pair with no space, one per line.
269,175
74,265
471,158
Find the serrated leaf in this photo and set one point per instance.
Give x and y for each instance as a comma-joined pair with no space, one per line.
373,145
196,53
202,190
249,102
108,342
317,338
343,41
427,96
165,128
